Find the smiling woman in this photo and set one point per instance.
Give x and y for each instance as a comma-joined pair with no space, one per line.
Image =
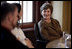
49,27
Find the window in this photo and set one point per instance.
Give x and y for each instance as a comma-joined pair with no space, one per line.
27,7
27,11
12,1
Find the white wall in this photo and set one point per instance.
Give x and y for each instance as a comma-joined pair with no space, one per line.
58,11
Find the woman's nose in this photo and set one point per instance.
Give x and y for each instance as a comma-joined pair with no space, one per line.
46,13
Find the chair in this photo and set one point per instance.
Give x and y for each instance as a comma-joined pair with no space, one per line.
39,38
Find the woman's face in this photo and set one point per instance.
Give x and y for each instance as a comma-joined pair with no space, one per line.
46,14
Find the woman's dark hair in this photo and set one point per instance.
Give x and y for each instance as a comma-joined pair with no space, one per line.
5,9
45,6
18,6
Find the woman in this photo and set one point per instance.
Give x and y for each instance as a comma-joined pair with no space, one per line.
50,27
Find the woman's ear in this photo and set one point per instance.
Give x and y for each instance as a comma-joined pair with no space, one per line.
42,13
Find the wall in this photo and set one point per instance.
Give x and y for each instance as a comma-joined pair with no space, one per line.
62,12
67,16
58,11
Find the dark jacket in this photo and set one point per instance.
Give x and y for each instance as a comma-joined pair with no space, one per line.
8,40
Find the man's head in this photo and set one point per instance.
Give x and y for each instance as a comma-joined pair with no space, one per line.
9,14
19,13
19,10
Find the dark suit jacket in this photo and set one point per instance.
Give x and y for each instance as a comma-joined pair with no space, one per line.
8,40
